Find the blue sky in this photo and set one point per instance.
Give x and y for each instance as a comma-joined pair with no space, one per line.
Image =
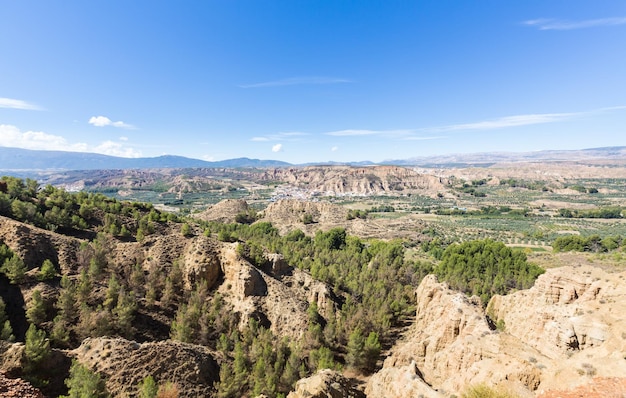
312,81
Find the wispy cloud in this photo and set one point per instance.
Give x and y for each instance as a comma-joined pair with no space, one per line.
434,133
102,121
18,104
287,136
521,120
425,138
297,81
558,24
11,136
277,148
382,133
334,149
507,121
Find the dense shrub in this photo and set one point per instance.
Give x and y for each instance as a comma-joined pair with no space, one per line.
586,244
485,268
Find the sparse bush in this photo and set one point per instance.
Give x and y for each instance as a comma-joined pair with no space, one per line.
484,391
226,236
168,390
185,230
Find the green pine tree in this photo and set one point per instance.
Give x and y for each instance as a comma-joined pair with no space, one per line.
15,269
36,312
48,271
83,383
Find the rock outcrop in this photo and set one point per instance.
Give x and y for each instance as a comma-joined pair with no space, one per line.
288,214
124,364
201,262
224,211
325,383
357,180
449,347
402,381
278,300
574,316
560,333
17,388
34,245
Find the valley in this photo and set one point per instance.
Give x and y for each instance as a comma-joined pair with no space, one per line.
349,281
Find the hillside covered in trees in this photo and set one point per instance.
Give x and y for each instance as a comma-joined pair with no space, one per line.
80,266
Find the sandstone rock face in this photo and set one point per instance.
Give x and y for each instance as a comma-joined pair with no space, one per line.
201,262
34,245
287,215
560,333
277,265
357,180
560,324
125,364
450,346
575,317
403,381
277,300
325,383
224,211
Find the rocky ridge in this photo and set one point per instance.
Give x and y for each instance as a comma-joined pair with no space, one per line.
453,345
224,211
357,180
287,215
277,296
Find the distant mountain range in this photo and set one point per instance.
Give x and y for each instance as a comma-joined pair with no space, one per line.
25,159
16,159
486,158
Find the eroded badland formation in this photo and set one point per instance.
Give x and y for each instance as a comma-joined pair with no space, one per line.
314,298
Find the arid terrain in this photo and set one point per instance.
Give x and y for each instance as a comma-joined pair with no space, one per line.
316,281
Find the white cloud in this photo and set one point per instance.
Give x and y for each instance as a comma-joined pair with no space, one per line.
556,24
334,149
18,104
123,138
297,81
11,136
102,121
116,149
277,148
